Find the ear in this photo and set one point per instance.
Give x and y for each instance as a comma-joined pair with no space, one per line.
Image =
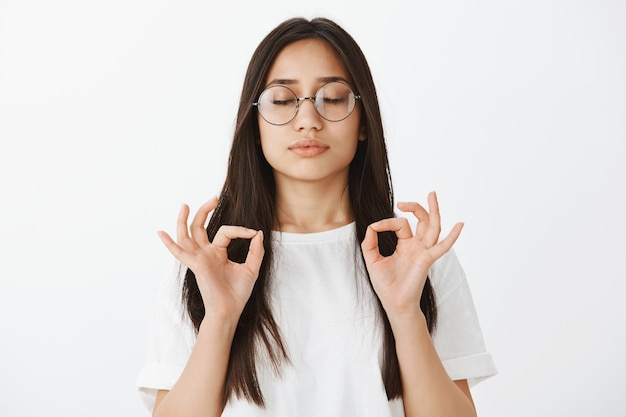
362,133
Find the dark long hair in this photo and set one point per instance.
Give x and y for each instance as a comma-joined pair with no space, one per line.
248,199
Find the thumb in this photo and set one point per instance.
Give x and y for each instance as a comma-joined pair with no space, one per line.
255,253
369,246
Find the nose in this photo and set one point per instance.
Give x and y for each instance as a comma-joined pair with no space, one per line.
307,116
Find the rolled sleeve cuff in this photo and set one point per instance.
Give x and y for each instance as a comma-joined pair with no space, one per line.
155,377
474,368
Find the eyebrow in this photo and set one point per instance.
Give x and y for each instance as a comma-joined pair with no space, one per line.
288,81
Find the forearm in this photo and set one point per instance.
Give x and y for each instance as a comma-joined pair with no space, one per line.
200,389
427,388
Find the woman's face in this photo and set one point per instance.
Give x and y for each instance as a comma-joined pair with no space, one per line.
309,147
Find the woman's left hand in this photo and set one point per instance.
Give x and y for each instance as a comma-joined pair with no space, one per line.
399,279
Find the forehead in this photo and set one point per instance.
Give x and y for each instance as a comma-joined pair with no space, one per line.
306,61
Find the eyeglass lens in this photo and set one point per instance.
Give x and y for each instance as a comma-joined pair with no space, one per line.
278,105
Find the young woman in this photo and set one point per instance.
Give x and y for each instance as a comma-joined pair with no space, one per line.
305,295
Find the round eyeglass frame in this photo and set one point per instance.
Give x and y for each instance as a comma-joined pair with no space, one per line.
299,99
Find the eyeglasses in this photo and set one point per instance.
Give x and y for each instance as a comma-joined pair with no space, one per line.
278,105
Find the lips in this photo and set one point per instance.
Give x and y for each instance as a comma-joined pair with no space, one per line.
308,143
308,147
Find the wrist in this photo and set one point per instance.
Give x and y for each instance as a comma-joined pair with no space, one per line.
219,325
407,318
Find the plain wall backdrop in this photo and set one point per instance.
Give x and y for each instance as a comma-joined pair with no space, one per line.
114,113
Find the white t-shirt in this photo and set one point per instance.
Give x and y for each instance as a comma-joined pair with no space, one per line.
326,313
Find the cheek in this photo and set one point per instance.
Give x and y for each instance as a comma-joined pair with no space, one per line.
262,130
348,145
268,141
267,136
353,132
358,124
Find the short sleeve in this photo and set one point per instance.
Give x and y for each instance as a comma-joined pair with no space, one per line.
171,337
458,337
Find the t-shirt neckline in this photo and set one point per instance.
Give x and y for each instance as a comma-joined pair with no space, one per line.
339,233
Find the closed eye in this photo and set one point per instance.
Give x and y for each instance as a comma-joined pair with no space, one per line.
289,102
329,100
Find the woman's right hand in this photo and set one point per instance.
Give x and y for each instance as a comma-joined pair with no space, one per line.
225,286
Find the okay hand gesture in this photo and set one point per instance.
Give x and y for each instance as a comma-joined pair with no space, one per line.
399,278
225,286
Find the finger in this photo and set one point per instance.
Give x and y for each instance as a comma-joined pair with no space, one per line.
369,246
445,244
182,234
197,227
172,246
227,233
399,225
255,253
420,213
434,221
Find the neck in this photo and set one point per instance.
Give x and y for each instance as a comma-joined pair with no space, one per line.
312,207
